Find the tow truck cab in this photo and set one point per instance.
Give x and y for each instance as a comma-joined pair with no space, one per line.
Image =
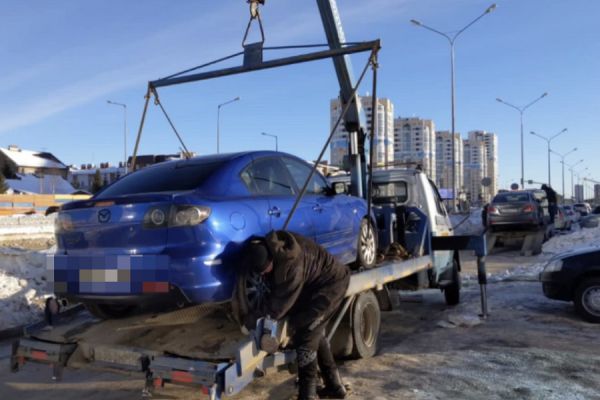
402,198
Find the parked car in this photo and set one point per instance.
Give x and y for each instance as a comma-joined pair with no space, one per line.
582,208
173,230
590,221
572,215
523,209
561,219
575,276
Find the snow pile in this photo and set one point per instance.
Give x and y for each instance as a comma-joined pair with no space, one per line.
576,240
23,286
467,224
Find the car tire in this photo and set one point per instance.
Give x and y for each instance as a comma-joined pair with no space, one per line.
366,321
110,311
452,291
587,299
248,298
366,251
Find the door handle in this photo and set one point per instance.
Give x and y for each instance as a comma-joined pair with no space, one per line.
317,208
275,212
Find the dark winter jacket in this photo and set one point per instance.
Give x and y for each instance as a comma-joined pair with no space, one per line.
307,283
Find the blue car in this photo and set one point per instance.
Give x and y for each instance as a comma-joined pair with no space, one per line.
172,232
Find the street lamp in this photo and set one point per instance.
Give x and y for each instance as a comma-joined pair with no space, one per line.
219,121
521,110
451,41
572,182
273,136
114,103
548,140
562,161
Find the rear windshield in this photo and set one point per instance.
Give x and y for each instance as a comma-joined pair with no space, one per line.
511,197
169,177
392,191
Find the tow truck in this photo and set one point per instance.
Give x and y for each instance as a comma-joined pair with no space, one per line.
200,346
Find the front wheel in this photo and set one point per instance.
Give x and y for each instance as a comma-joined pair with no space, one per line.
367,245
587,300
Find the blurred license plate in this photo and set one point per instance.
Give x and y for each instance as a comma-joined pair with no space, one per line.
510,211
104,275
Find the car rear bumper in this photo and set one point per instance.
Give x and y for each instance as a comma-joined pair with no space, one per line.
140,278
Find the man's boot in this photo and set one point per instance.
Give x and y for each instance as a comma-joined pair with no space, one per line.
307,377
334,388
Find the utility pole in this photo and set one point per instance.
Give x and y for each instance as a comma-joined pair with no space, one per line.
548,141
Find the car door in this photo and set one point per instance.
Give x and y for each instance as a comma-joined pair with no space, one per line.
334,219
271,181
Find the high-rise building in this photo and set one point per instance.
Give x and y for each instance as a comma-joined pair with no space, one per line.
579,193
475,169
443,161
414,144
384,138
490,171
597,193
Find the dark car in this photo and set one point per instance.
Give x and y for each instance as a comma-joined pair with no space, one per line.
575,276
523,209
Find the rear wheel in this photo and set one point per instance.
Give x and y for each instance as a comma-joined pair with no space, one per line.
249,298
366,321
367,245
587,299
110,311
452,291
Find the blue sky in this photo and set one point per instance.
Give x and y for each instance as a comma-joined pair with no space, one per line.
62,60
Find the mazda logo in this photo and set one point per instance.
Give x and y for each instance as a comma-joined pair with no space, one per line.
104,216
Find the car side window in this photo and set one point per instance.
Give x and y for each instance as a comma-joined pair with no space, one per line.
438,199
300,171
267,177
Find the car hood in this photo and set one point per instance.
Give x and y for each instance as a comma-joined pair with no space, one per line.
577,252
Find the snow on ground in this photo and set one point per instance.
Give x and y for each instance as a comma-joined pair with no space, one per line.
23,286
26,225
580,238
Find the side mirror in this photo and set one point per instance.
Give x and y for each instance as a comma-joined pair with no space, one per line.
339,188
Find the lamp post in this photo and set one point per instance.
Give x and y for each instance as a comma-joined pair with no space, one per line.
451,41
572,182
219,121
521,110
114,103
273,136
562,161
548,141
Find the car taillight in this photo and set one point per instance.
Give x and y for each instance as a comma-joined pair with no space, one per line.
157,217
528,208
188,215
63,223
493,210
177,215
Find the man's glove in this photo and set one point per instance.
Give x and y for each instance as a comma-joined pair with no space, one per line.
269,343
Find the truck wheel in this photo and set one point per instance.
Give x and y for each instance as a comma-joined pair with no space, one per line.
366,320
452,291
110,311
367,246
587,300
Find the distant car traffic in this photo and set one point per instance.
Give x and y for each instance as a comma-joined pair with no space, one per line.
170,232
571,214
523,209
582,208
575,276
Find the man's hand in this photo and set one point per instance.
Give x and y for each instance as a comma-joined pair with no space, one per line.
269,343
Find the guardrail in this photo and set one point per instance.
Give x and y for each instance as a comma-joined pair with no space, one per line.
11,204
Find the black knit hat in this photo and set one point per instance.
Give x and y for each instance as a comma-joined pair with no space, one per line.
256,256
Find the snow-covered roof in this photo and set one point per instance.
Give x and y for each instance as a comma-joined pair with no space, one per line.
28,158
31,184
92,171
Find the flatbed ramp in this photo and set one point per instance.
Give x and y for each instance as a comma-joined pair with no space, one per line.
198,346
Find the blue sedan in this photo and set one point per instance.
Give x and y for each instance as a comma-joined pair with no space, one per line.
173,230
